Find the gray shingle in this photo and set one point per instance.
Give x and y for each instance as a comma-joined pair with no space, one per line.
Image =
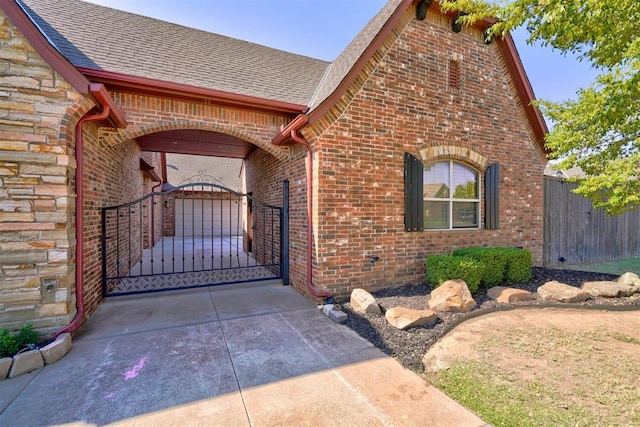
103,38
108,39
347,59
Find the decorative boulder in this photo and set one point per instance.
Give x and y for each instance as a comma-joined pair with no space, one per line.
632,280
405,318
363,302
451,296
561,292
509,295
606,289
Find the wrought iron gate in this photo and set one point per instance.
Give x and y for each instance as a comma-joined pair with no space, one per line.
193,235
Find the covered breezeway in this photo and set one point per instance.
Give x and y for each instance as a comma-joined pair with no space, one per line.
195,234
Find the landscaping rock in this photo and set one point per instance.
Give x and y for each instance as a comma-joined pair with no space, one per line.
338,316
57,349
606,289
451,296
508,295
363,302
405,318
632,280
5,364
26,362
561,292
326,309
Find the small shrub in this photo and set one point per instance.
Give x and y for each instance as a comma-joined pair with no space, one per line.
12,343
495,261
519,265
441,268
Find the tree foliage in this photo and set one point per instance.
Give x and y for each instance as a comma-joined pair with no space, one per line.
599,129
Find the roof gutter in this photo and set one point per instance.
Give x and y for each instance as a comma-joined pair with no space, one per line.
109,112
158,87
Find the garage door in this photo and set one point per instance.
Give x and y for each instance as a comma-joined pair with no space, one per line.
207,217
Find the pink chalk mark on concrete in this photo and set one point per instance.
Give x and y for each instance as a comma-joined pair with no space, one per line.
133,372
110,395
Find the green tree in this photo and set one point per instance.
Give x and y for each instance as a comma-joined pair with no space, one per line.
599,129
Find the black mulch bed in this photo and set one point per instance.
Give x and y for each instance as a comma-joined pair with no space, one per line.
410,346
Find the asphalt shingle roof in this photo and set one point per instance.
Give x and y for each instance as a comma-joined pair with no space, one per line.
347,59
103,38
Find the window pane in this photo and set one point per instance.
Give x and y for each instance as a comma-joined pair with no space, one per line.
436,180
465,182
465,215
436,214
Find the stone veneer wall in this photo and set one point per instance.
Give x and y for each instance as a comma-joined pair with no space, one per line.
38,110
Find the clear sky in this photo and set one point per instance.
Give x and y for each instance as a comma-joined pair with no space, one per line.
323,28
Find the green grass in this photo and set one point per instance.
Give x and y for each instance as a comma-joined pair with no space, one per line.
618,267
563,379
502,400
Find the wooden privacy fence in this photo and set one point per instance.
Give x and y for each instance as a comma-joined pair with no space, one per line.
577,233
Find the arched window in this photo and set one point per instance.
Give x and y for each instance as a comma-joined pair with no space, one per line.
451,195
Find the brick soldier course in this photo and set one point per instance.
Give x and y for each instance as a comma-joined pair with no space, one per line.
405,85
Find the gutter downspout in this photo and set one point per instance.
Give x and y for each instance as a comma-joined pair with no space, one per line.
109,111
163,162
79,317
309,164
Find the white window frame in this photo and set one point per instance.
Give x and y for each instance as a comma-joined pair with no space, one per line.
451,199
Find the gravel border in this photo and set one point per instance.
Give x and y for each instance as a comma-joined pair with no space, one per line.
410,346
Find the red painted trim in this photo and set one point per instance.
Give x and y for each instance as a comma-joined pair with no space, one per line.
523,86
508,49
284,135
102,96
159,87
309,166
357,68
45,49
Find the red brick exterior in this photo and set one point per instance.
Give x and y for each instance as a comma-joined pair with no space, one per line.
112,168
401,102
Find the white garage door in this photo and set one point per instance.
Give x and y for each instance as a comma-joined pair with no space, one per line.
207,218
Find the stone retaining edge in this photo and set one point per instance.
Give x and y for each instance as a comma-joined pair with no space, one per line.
31,360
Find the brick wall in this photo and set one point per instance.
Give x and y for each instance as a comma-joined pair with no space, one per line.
113,176
264,176
402,103
38,110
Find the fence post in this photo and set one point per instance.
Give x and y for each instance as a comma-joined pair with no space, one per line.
284,234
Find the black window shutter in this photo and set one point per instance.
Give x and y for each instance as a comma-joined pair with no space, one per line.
413,202
492,196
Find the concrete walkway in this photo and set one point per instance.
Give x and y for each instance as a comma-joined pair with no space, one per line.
259,355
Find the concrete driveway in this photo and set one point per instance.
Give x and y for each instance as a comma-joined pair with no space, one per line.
241,355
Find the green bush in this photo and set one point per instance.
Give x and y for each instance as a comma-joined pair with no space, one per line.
495,261
519,265
441,268
12,343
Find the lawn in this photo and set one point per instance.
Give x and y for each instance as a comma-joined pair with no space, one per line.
564,368
610,267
